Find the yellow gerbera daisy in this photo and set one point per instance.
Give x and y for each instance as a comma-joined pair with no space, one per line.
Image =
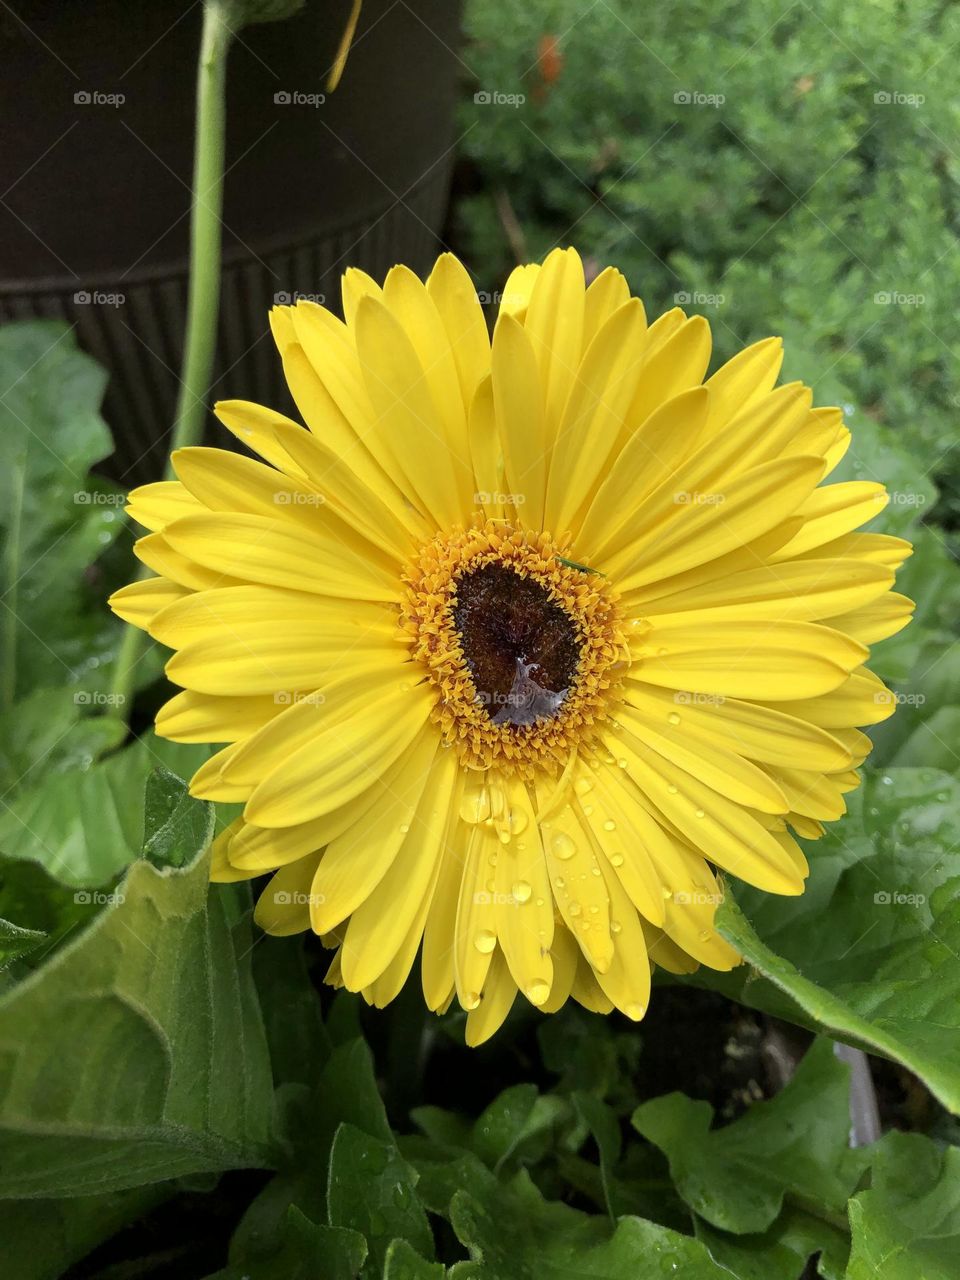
521,642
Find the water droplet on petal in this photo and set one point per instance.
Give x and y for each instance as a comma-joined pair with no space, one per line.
485,941
635,1011
673,718
522,891
617,860
609,825
562,846
575,908
537,991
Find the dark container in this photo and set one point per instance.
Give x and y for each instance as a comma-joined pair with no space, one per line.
96,168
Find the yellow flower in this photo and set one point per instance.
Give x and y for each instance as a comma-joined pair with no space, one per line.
522,643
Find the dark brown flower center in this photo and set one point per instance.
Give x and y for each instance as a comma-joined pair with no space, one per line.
519,645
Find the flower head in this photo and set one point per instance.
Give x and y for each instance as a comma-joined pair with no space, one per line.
522,644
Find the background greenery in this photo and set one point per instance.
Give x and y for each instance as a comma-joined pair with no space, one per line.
178,1097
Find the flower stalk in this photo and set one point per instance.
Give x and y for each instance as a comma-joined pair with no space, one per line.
204,286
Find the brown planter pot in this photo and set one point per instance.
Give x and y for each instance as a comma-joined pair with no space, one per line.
96,178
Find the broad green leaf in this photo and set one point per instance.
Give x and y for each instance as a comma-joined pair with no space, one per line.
56,520
871,952
85,825
794,1146
137,1052
49,731
605,1128
515,1127
907,1225
299,1044
372,1190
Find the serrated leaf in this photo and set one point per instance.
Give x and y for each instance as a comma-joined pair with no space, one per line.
174,824
907,1225
736,1177
871,952
136,1053
372,1190
404,1263
16,941
782,1251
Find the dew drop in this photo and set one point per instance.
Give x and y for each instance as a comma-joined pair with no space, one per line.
672,789
583,786
575,909
470,999
563,847
617,860
537,991
522,891
560,882
615,926
666,891
485,941
404,828
699,813
609,825
673,718
635,1011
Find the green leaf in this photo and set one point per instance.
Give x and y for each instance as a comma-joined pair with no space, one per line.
16,941
42,1238
55,518
782,1251
137,1053
372,1190
85,825
404,1263
871,952
174,825
907,1225
49,732
512,1233
605,1128
736,1177
306,1252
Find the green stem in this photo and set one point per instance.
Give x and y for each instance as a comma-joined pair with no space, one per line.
11,576
204,291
